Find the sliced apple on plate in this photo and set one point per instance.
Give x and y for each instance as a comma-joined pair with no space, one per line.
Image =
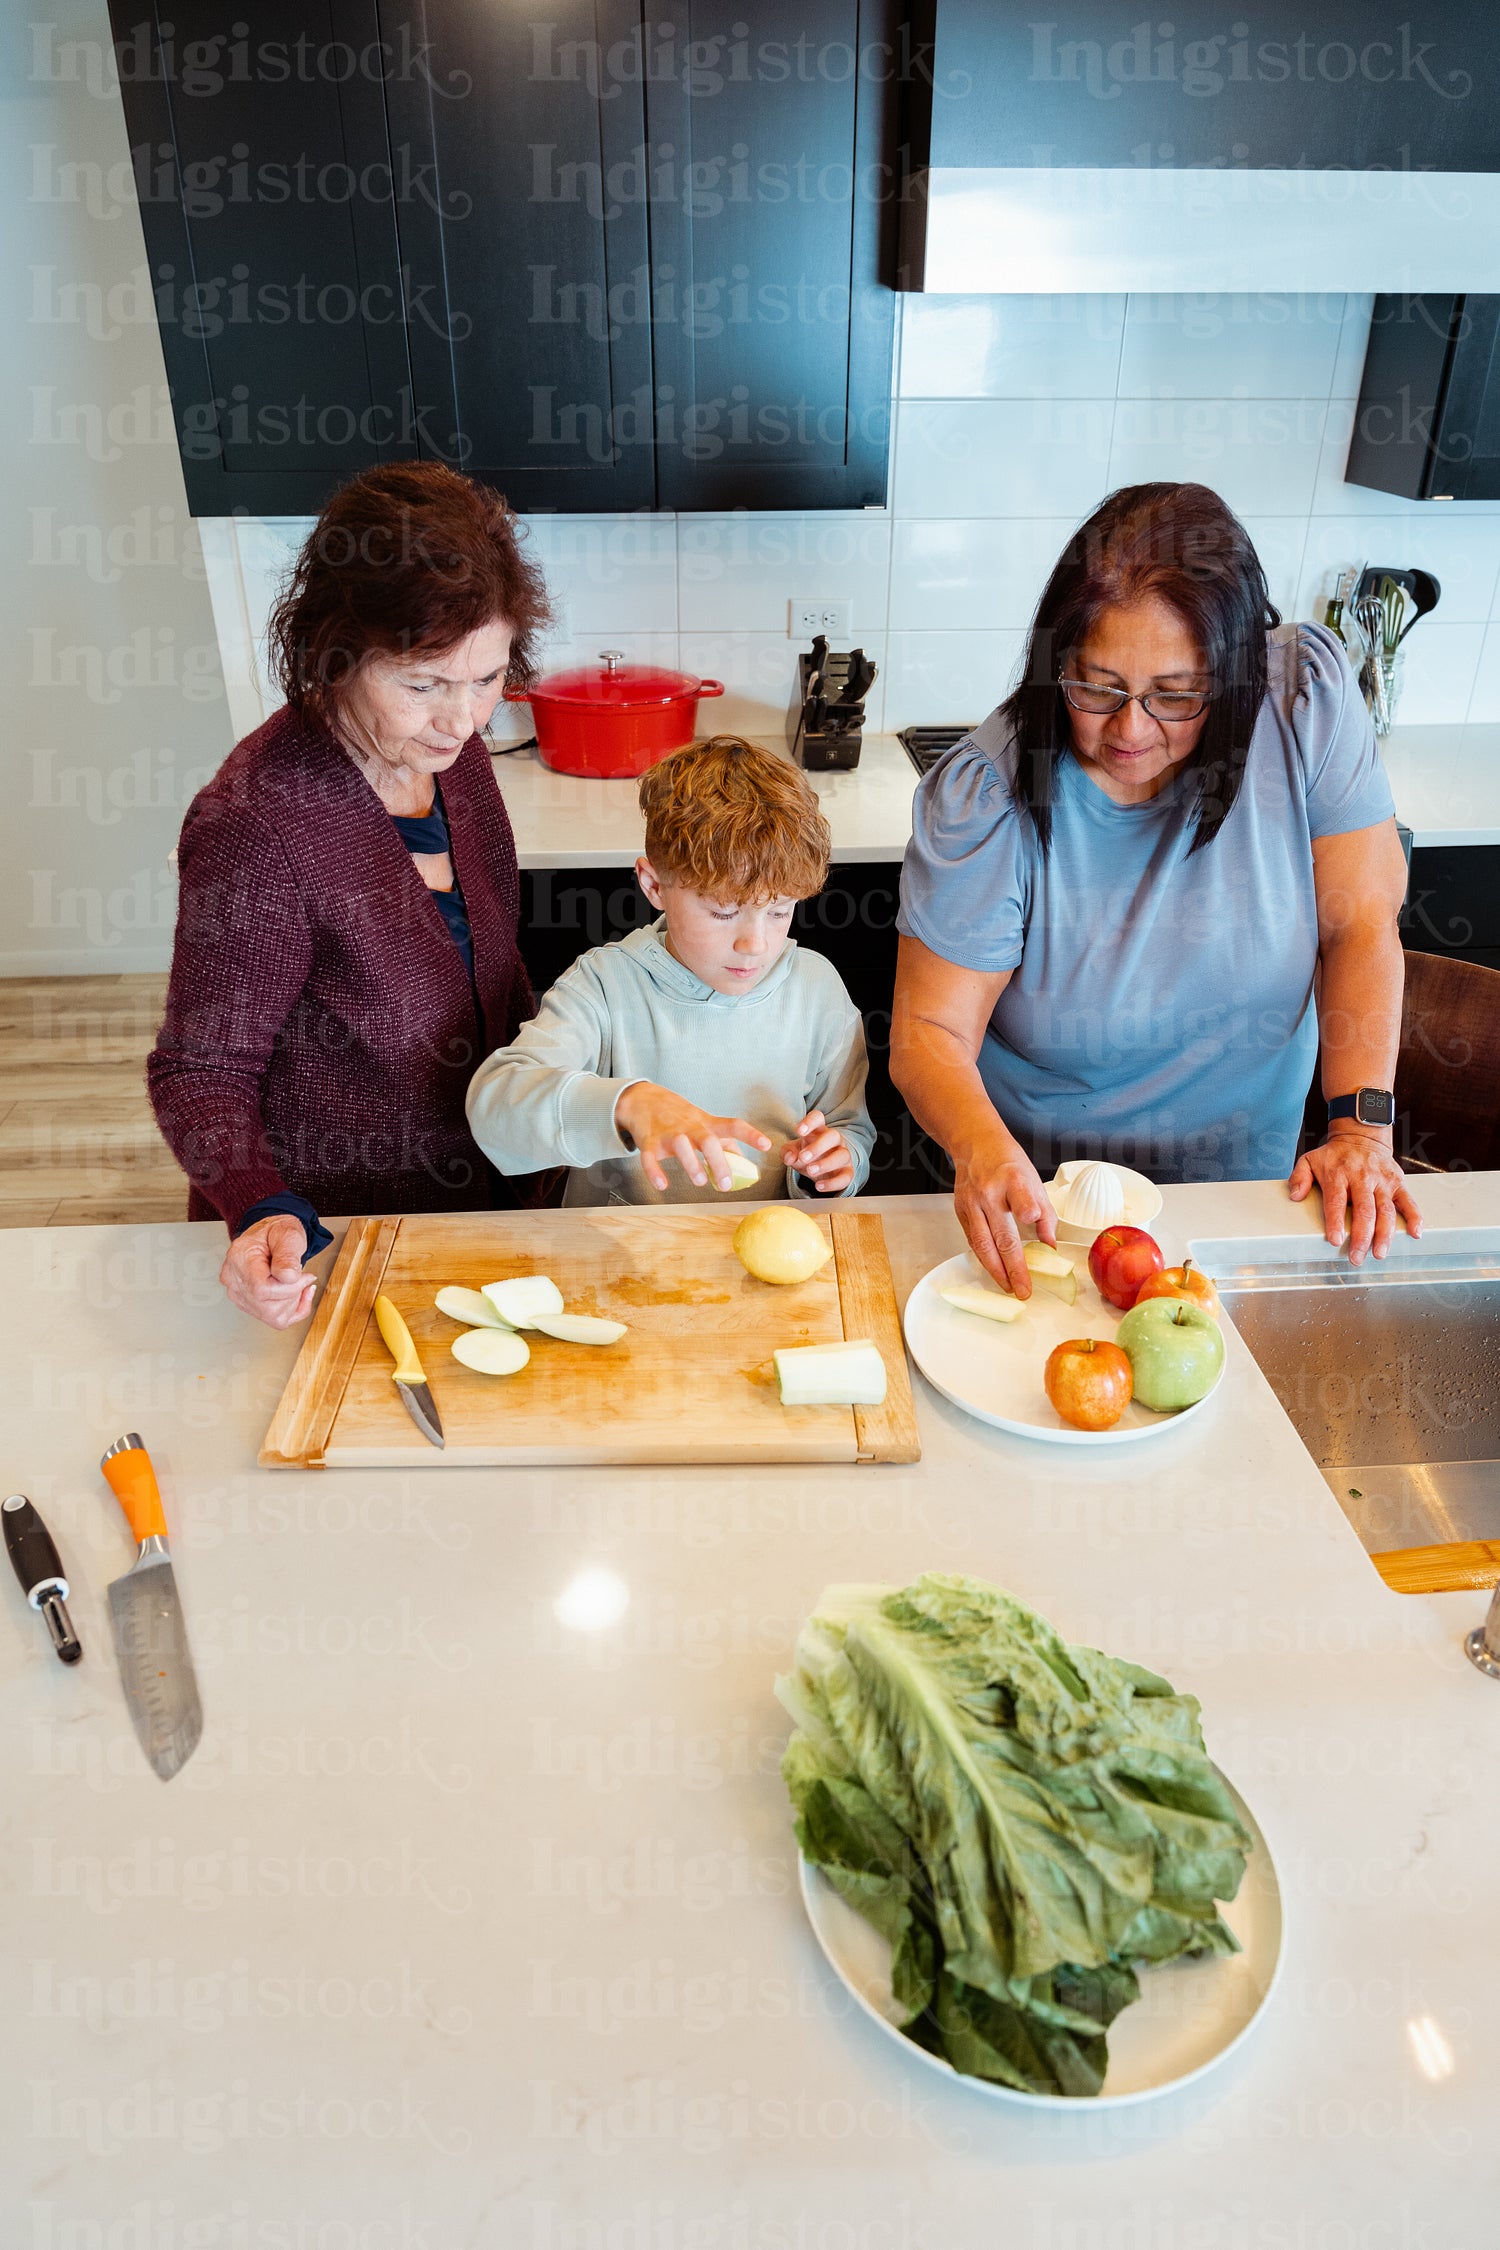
989,1304
1051,1271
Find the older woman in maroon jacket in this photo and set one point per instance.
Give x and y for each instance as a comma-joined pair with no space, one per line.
346,935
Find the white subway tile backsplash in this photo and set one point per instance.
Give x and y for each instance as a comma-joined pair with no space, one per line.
1001,457
1230,346
740,571
1261,455
608,573
1484,702
1279,540
1015,416
1439,665
936,677
968,574
1010,347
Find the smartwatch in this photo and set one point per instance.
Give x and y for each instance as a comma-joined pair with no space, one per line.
1369,1105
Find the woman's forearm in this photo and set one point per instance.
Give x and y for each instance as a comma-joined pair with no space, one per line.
941,1086
1361,975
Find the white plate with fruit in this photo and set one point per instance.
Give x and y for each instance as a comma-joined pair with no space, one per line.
1141,1371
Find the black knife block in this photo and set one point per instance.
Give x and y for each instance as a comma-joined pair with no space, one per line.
822,751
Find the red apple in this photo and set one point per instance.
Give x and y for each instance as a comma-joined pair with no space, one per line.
1089,1382
1186,1280
1120,1260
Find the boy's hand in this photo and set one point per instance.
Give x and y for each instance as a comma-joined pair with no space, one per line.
662,1124
820,1155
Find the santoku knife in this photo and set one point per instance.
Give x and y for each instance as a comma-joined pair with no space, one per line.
410,1379
161,1689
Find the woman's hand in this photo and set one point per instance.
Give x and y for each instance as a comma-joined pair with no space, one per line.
996,1192
263,1275
663,1125
821,1155
1363,1186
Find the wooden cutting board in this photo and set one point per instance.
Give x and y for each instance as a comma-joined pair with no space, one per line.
691,1380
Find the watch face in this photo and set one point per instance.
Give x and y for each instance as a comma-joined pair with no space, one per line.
1373,1106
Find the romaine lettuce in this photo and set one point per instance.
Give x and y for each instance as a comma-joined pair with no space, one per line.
1024,1820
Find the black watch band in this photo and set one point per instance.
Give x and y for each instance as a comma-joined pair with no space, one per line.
1369,1105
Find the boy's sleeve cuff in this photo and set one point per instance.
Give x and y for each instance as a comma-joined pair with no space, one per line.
589,1132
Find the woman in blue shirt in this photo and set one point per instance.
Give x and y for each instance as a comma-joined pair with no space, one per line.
1138,896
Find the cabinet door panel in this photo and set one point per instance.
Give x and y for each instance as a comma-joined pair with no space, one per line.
521,213
772,332
265,192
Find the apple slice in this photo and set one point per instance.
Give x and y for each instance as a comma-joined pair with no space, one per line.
1050,1270
491,1351
831,1375
578,1328
521,1300
990,1304
468,1306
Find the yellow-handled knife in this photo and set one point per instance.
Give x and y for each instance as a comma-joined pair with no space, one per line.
410,1379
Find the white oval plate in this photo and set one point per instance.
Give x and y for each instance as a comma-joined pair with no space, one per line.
995,1372
1191,2015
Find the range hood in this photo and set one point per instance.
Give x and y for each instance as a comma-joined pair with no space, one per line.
1079,148
1026,228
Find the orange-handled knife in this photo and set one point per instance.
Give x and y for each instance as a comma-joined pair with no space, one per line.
156,1667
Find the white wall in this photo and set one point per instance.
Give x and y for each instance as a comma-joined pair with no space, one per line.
1013,417
115,709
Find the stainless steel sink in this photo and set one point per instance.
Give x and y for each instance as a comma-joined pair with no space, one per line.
1390,1372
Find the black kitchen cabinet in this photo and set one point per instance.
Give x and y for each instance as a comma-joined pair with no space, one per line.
773,331
600,260
1350,85
1453,903
1428,421
264,186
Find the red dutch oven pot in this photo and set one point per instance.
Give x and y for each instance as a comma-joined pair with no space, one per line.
613,720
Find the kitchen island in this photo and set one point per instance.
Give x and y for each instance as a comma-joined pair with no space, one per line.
469,1929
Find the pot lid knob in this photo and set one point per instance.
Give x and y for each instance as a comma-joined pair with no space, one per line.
611,659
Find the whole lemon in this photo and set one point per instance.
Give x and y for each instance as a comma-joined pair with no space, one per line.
781,1244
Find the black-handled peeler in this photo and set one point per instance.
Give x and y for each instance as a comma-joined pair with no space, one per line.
38,1565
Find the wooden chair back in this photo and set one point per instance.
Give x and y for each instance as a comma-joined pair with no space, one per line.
1448,1072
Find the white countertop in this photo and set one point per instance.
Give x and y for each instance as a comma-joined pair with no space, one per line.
561,821
462,1931
1446,782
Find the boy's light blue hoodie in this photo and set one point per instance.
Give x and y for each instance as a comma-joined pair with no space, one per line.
630,1011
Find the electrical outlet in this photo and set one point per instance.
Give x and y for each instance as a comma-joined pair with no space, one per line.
806,619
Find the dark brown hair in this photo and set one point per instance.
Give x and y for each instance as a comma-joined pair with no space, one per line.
1181,544
736,823
406,559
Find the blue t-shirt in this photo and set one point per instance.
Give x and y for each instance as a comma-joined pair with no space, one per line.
1160,1010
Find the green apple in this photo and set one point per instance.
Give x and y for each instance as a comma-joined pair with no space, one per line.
1175,1351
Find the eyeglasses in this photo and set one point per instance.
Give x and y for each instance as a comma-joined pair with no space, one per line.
1103,702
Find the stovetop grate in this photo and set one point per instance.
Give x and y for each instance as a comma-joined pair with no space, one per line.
925,745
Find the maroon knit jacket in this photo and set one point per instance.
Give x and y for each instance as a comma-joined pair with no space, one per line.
320,1031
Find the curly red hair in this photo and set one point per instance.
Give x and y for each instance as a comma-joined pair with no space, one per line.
736,823
406,559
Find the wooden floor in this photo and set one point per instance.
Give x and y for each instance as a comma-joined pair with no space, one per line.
78,1143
